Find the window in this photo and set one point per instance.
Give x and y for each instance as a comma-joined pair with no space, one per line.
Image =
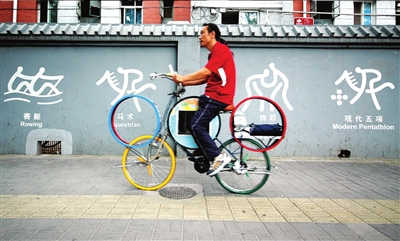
48,11
131,11
331,8
323,6
362,8
89,11
242,17
167,9
90,8
230,17
248,17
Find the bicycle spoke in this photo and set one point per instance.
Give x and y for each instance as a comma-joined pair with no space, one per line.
154,173
247,174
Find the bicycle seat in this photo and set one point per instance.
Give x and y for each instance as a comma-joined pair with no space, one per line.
229,108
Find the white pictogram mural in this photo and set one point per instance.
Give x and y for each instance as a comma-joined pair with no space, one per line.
131,78
366,84
360,86
256,84
40,86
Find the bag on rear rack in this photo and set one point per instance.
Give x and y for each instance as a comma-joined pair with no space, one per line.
266,130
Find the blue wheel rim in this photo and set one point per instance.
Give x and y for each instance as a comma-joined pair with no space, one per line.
111,115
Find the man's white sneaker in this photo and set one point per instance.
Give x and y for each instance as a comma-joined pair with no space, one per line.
219,163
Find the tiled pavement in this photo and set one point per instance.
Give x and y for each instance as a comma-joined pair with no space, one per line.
85,198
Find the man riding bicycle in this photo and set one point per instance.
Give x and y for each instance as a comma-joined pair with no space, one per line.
219,75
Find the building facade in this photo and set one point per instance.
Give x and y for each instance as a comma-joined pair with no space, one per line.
307,12
338,85
341,81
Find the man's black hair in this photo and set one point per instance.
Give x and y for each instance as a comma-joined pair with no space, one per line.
211,27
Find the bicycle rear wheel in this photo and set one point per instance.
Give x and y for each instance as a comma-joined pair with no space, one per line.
254,167
133,116
148,167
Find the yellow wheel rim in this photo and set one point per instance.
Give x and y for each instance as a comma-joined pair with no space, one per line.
149,166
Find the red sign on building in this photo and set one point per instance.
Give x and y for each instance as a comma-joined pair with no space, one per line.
303,21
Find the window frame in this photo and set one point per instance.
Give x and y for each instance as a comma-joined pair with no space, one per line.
247,11
86,7
48,11
362,19
229,15
397,11
133,7
170,8
331,8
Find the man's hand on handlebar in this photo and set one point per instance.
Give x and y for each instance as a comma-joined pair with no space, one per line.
177,78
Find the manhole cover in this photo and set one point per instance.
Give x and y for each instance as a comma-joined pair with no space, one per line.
177,192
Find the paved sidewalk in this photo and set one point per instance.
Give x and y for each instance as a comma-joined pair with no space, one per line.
85,198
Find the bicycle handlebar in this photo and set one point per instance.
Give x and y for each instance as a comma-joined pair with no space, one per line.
169,75
180,90
154,75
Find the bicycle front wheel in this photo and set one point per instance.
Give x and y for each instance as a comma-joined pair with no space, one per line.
149,167
133,116
250,172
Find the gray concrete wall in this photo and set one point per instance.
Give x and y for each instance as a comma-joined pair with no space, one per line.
52,87
335,96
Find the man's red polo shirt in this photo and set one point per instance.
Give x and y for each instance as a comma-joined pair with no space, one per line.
221,84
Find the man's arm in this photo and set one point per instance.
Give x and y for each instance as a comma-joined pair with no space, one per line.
197,78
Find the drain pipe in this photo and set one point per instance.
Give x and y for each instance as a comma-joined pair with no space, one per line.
15,6
304,8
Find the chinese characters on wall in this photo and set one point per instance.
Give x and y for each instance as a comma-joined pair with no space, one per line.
45,89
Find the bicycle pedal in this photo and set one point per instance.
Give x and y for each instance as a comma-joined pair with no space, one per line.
201,165
192,158
236,165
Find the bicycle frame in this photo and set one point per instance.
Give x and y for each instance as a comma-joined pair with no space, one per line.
164,133
153,166
162,136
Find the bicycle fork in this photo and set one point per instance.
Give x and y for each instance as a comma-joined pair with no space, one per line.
148,157
155,145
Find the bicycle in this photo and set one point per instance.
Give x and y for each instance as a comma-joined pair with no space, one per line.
149,162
